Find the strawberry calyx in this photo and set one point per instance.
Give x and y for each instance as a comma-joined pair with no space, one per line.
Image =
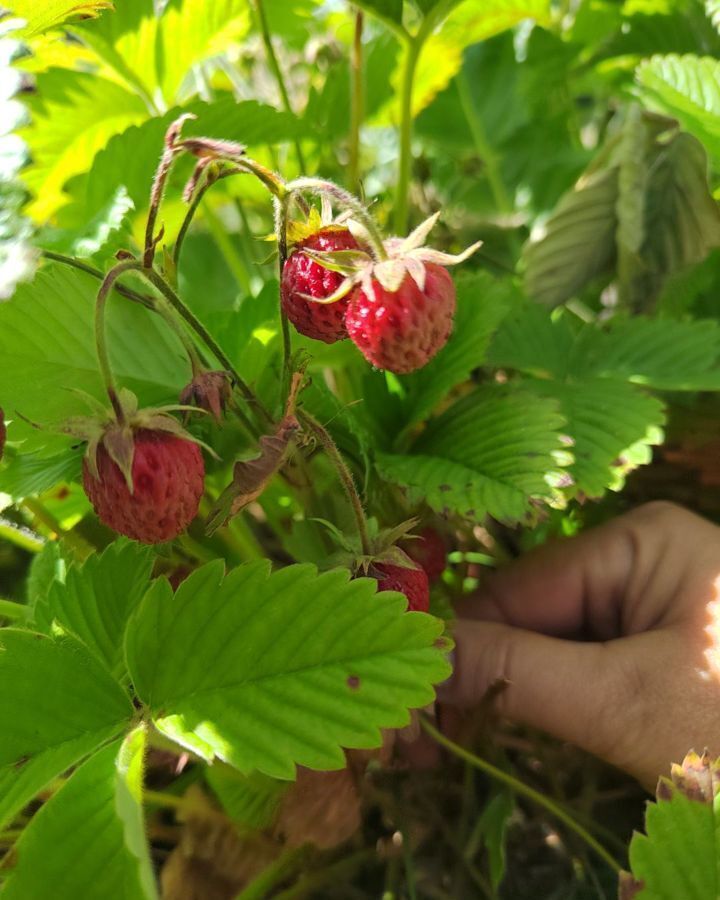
404,257
383,548
208,392
117,433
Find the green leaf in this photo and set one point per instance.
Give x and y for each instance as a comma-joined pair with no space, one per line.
48,349
386,9
660,353
482,303
73,116
97,598
688,89
42,15
87,237
611,424
29,474
494,821
95,817
492,452
63,704
251,800
678,855
46,566
577,242
130,158
245,668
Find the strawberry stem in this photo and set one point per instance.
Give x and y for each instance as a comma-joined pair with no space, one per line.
101,337
345,474
326,188
356,104
277,72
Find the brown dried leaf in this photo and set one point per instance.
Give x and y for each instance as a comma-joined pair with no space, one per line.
628,887
212,860
321,808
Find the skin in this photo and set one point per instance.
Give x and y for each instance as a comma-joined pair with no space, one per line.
610,640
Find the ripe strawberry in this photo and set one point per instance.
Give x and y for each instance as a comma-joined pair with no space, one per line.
167,477
304,277
3,432
401,330
411,582
429,552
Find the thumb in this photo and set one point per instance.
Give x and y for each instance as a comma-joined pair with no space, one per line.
562,687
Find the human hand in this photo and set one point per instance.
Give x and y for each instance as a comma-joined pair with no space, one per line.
610,640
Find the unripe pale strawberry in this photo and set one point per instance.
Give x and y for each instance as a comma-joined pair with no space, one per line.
167,475
304,277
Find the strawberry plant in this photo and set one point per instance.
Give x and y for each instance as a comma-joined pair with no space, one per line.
312,314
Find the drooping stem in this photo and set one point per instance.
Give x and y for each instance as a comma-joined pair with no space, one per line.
356,104
147,302
521,788
193,207
197,326
100,335
277,71
326,188
344,473
282,207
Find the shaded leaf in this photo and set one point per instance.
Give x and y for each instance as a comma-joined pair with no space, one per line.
98,808
250,800
63,704
491,452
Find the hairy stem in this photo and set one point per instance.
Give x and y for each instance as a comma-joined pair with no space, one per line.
356,104
277,71
326,188
100,335
209,341
96,273
520,788
345,476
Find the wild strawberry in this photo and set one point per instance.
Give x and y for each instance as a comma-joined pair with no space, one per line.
142,472
401,298
167,478
428,551
303,277
413,582
401,330
3,432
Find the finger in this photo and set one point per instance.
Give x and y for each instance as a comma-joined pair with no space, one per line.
559,686
611,580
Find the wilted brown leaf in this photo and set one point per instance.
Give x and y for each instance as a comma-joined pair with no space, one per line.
321,808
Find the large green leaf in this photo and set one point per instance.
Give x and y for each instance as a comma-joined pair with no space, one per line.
268,671
97,598
492,452
62,704
130,158
47,347
688,89
96,820
73,116
42,15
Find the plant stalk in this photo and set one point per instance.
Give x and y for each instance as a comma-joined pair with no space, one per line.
345,475
356,105
521,788
277,72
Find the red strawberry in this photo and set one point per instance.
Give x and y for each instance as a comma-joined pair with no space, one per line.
167,477
302,275
411,582
402,330
429,552
3,432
